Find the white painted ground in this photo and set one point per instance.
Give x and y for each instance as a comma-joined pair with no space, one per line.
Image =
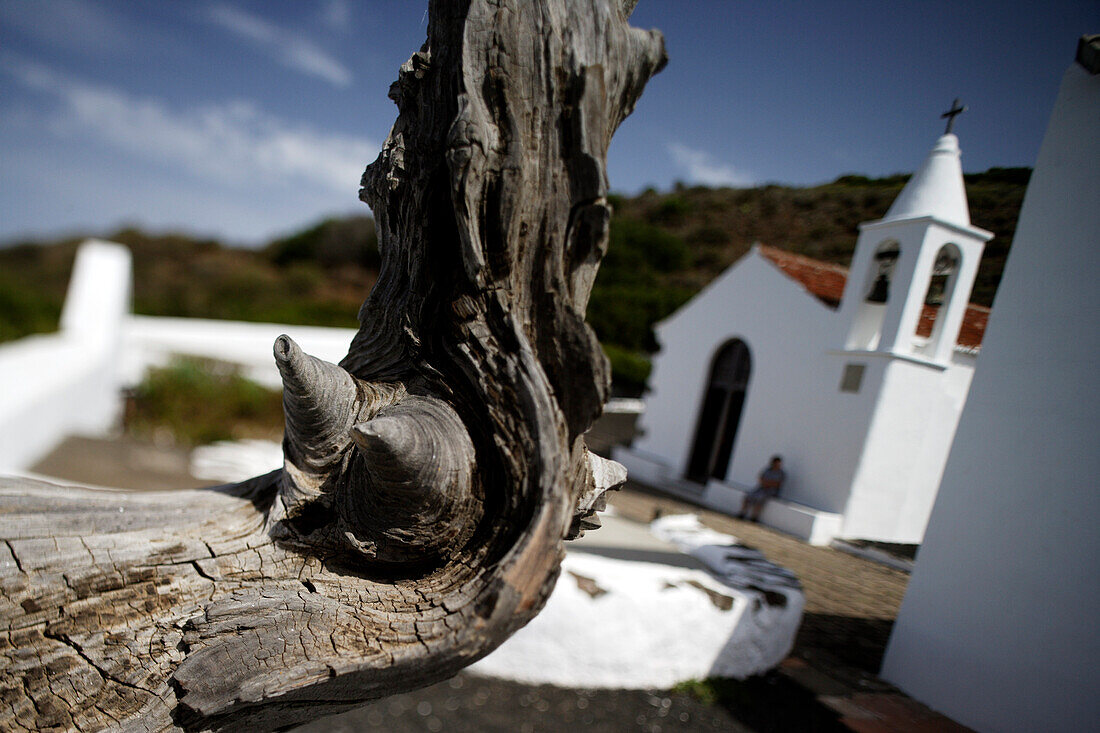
624,624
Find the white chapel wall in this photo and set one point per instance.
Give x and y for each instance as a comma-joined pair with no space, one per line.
788,332
998,626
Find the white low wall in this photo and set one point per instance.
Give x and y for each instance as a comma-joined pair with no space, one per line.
153,341
54,388
64,383
812,525
67,383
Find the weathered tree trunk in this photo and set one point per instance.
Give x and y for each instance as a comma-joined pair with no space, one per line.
429,480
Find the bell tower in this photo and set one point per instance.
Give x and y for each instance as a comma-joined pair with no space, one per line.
917,263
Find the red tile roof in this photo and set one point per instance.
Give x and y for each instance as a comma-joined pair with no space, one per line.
825,281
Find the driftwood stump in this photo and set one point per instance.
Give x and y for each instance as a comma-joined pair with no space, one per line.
429,480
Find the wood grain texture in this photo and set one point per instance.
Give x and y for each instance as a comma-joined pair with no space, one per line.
429,480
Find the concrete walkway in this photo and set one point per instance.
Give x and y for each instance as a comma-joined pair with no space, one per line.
851,604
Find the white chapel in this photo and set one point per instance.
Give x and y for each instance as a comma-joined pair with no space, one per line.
855,377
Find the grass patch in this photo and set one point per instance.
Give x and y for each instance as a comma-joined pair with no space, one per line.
197,401
708,691
767,702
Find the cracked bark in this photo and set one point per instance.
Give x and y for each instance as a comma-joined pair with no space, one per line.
429,480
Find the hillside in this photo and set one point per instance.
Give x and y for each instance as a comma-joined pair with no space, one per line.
664,248
318,276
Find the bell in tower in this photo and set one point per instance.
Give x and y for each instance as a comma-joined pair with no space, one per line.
885,259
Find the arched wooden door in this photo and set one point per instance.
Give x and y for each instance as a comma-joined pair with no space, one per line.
720,413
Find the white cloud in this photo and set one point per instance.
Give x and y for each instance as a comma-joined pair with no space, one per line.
700,167
289,49
234,142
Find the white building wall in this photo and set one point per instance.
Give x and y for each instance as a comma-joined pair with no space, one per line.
837,426
67,382
998,627
787,408
907,445
688,340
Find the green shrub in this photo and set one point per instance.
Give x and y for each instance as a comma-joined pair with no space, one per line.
331,243
200,401
672,210
629,369
625,314
25,310
1012,176
635,244
709,236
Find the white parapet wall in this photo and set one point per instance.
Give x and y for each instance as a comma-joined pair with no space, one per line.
154,341
67,382
812,525
815,526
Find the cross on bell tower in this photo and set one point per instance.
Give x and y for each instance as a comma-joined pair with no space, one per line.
956,109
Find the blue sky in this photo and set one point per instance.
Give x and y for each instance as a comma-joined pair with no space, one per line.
246,119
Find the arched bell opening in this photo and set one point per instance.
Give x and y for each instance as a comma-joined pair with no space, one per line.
938,296
867,326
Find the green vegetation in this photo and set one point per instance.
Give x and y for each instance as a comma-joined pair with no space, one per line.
632,290
708,691
664,247
768,702
32,287
178,276
199,401
318,277
331,243
25,310
630,368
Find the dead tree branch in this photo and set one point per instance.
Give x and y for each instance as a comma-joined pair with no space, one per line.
429,479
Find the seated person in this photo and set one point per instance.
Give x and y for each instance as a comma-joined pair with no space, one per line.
767,487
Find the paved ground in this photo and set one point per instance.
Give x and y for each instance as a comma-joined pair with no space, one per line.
851,604
123,463
469,704
827,684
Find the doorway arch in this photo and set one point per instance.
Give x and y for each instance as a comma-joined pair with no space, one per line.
720,413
